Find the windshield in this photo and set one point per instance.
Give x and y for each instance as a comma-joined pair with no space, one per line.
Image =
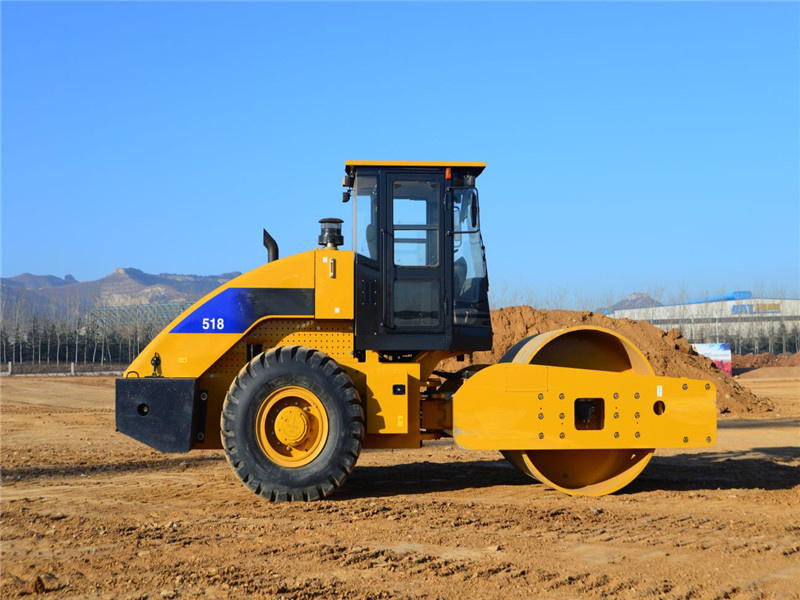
470,280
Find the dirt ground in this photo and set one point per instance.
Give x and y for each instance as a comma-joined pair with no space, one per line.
89,513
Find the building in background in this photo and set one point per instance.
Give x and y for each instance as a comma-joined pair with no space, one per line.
748,324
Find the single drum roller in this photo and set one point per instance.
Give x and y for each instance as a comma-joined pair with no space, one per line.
581,472
569,400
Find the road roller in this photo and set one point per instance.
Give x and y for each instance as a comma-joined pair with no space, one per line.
293,368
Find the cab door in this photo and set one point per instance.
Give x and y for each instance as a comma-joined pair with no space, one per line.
415,253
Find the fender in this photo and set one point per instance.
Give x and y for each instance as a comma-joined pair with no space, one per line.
295,286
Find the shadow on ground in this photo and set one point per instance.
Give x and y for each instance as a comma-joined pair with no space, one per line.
758,423
758,468
428,477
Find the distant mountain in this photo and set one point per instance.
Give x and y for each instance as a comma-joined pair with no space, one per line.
636,300
46,294
36,282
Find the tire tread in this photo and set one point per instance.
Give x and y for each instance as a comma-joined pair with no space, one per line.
236,401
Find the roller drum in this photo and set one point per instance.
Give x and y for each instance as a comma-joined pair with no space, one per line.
581,472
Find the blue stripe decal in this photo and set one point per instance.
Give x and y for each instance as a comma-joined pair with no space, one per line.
234,310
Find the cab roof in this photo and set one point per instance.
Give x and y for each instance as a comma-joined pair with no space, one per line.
475,167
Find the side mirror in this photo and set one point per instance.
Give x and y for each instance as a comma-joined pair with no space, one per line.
465,210
473,214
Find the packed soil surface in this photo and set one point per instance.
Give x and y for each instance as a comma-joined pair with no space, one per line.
780,384
669,353
90,513
764,359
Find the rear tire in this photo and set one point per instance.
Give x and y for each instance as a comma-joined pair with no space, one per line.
292,424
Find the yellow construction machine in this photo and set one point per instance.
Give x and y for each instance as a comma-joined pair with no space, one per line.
295,366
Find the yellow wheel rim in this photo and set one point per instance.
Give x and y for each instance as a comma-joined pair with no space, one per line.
291,426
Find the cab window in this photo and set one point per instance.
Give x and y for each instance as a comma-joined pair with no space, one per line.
415,216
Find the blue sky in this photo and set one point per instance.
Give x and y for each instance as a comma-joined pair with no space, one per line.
630,146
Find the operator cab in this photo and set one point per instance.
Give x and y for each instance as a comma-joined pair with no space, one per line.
420,272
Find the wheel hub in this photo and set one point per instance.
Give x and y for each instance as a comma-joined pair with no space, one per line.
291,426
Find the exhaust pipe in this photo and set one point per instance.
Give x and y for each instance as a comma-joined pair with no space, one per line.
272,247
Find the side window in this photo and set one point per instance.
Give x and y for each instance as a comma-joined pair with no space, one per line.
415,215
367,230
470,283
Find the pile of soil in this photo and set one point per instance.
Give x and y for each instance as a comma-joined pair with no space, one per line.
765,359
669,352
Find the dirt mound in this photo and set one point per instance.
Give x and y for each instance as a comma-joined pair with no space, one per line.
669,353
765,359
